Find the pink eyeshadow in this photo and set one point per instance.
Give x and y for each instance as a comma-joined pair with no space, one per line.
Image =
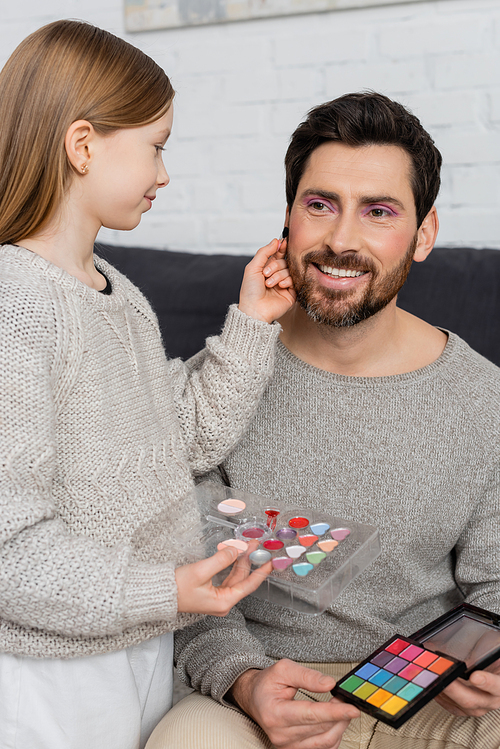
411,653
410,672
253,533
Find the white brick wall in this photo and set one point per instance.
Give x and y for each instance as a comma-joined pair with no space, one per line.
243,87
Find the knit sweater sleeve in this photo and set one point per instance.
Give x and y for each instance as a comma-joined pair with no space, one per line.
477,570
211,654
217,391
50,579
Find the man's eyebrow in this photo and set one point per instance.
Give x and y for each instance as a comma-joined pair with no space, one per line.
326,194
364,200
369,199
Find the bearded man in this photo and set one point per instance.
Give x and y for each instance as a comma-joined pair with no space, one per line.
373,415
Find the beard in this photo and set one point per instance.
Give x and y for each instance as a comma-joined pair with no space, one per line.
333,307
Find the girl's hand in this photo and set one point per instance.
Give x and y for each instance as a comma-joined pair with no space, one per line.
197,595
267,291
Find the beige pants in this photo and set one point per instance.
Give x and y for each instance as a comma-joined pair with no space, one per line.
198,722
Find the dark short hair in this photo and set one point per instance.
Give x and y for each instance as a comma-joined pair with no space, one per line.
364,119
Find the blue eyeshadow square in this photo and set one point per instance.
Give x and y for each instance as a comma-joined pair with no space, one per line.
366,671
380,677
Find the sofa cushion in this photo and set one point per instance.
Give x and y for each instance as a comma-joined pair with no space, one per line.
455,288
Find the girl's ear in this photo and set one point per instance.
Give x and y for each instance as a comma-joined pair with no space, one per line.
79,145
426,235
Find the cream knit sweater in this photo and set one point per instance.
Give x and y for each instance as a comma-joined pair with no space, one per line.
99,437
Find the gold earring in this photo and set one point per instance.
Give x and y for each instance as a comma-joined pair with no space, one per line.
84,168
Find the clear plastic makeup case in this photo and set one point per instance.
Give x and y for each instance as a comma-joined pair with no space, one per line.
314,555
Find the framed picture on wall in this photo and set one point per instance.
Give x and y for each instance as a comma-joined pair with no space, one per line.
141,15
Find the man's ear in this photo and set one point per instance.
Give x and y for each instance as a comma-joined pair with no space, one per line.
78,144
426,235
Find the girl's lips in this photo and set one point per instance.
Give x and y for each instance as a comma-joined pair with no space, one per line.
149,199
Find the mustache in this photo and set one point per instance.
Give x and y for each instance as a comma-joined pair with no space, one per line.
346,261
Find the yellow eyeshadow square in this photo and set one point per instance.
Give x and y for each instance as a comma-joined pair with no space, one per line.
365,690
394,705
379,697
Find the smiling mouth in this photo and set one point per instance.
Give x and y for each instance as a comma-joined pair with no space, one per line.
340,272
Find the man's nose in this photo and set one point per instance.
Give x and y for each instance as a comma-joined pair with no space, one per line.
344,234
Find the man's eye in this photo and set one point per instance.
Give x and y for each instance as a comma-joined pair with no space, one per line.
379,212
317,205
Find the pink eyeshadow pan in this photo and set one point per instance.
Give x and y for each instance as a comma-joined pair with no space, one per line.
410,672
253,533
411,652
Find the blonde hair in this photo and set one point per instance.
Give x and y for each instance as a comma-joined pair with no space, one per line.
63,72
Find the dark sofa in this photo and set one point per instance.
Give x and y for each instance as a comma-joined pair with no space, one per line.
455,288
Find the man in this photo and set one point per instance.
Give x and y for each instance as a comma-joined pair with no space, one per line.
373,415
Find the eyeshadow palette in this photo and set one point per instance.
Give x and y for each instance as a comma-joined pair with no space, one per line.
397,680
406,672
314,555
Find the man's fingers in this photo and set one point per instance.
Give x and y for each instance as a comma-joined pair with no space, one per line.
294,675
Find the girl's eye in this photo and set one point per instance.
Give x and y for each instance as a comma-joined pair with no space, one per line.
159,149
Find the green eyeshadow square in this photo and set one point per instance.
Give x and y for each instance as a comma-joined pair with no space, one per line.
352,683
409,691
395,684
365,691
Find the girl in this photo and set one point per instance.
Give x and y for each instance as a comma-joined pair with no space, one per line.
100,434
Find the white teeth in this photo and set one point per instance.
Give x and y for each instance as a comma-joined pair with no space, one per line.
340,272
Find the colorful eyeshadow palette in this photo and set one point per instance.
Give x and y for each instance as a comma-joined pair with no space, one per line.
314,555
404,674
397,680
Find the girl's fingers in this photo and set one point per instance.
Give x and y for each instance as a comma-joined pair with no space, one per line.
282,248
275,265
278,276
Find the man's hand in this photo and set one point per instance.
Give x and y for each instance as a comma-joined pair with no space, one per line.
267,291
267,696
475,697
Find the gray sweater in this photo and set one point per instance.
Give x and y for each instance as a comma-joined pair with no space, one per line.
416,455
99,437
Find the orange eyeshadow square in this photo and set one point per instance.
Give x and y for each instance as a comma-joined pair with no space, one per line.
425,659
440,666
380,696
